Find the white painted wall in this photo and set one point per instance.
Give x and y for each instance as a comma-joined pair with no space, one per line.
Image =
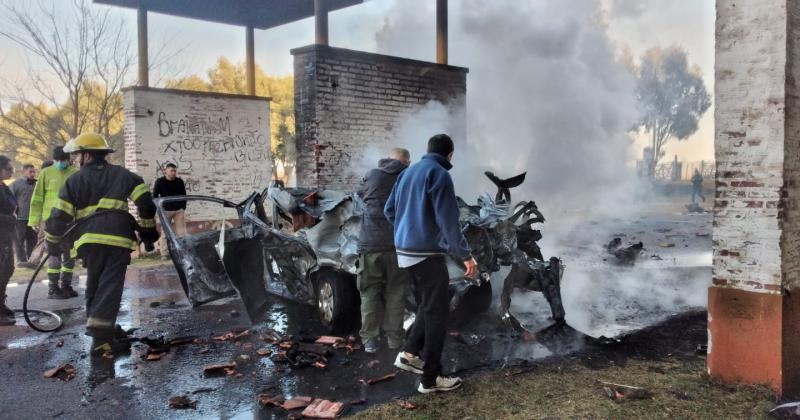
219,142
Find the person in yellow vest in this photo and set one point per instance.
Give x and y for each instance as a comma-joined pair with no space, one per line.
98,194
45,195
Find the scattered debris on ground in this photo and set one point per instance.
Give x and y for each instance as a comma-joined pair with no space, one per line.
296,402
158,346
323,409
375,380
613,245
406,404
627,255
267,400
329,340
182,402
695,208
219,368
65,372
232,335
619,392
786,411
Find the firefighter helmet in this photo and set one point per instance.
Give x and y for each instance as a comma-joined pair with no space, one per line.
87,142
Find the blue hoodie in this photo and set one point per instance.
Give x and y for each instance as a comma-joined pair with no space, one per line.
423,209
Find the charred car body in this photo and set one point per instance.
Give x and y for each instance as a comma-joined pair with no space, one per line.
316,263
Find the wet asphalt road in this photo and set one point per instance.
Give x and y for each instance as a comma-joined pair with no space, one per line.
601,299
139,388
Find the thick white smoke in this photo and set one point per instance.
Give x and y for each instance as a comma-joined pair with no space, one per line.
545,95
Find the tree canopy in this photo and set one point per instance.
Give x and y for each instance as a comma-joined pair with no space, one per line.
671,96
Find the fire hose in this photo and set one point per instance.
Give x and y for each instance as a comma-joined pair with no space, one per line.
59,321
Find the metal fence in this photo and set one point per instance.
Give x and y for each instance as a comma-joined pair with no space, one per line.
685,170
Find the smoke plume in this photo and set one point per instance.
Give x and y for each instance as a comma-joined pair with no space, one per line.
545,95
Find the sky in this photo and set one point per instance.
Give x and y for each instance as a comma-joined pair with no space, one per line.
633,24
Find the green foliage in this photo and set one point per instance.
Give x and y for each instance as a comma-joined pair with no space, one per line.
672,98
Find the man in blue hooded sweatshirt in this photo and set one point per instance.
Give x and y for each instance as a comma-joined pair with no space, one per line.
423,209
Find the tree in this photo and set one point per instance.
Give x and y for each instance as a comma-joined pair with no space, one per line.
671,97
227,77
87,57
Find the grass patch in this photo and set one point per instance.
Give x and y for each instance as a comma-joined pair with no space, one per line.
681,389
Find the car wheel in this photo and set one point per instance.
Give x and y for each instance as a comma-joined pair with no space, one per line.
338,302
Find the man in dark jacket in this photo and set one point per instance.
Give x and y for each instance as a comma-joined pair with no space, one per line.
423,209
22,189
8,209
381,283
697,186
170,185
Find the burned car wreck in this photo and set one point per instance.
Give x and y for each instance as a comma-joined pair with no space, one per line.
307,252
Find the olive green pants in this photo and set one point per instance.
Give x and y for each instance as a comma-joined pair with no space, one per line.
383,287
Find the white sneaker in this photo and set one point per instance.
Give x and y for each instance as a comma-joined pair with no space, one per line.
410,364
443,383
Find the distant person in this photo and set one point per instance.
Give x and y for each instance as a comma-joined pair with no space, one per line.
22,189
170,185
423,209
697,186
8,220
45,198
382,284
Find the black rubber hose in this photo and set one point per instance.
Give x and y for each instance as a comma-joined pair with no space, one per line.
59,322
26,311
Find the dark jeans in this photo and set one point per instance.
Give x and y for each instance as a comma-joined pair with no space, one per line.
430,282
6,264
698,191
105,278
25,241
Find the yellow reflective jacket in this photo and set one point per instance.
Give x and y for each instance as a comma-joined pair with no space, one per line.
45,193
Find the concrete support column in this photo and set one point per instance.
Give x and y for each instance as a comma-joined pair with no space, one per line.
141,25
250,62
441,31
321,22
754,302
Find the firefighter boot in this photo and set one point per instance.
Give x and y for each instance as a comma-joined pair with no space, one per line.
6,315
107,340
54,292
68,291
4,309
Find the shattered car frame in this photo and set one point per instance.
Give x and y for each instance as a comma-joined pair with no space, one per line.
317,264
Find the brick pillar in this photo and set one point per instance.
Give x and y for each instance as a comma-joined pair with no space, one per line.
754,302
346,101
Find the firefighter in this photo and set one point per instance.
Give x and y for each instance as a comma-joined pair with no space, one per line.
45,195
105,241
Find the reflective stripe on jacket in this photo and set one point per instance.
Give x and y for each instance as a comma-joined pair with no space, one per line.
96,188
45,193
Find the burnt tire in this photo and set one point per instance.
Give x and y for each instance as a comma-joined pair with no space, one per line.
476,300
338,301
